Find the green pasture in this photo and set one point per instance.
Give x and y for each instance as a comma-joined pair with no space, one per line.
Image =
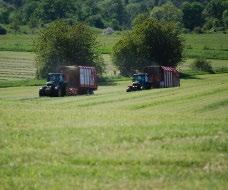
211,46
174,138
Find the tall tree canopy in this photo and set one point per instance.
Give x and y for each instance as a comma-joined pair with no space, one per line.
62,44
149,43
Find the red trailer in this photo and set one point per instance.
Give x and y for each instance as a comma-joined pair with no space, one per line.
162,76
80,79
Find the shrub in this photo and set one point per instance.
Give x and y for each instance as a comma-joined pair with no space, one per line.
3,31
202,65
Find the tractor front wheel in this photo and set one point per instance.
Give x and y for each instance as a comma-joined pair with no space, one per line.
59,92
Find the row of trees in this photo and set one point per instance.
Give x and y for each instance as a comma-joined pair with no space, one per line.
194,15
150,42
119,14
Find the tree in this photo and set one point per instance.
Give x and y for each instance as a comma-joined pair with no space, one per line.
215,9
62,44
15,21
116,12
213,14
167,12
225,18
3,31
149,43
49,10
192,15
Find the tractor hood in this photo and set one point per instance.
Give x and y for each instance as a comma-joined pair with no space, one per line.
50,83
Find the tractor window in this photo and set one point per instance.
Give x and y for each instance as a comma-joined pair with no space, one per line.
139,78
55,78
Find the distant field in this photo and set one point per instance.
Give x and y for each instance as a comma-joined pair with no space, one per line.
211,46
173,138
16,65
17,42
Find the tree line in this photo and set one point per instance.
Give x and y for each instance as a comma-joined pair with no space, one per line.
200,15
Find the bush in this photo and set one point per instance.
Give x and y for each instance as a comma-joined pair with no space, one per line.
3,31
202,65
198,30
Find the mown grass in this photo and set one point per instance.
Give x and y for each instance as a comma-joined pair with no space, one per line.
155,139
210,46
16,66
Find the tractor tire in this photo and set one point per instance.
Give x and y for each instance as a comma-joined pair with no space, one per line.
41,93
129,90
59,93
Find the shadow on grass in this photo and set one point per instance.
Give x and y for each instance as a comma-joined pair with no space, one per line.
188,76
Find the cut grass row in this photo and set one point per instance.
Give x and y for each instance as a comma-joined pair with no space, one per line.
165,138
211,46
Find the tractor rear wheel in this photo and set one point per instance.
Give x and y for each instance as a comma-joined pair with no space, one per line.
60,94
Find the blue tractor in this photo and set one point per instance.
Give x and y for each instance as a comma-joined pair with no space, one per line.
139,82
55,86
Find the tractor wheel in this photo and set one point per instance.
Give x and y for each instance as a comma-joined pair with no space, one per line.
41,93
129,90
60,94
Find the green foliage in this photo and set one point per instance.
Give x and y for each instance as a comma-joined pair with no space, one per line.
225,18
118,14
167,12
62,44
213,13
151,42
3,31
202,65
215,8
192,15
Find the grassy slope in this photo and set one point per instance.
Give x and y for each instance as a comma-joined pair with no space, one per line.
212,46
164,139
16,65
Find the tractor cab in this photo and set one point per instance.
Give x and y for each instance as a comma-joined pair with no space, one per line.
55,78
55,85
139,82
140,78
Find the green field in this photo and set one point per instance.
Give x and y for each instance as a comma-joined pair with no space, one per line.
211,46
173,138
